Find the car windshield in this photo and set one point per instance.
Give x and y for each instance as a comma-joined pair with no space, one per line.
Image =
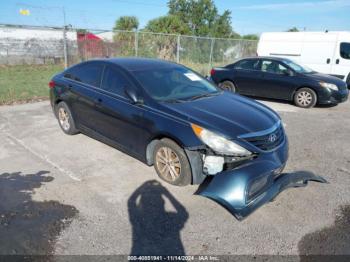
175,84
298,68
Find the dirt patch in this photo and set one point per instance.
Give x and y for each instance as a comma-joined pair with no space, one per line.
25,101
28,226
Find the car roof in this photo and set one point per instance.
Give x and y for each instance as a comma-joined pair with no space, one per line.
139,64
280,59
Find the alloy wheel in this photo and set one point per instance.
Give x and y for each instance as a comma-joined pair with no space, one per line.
168,164
228,86
63,117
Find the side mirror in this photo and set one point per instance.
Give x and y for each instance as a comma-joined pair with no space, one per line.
134,98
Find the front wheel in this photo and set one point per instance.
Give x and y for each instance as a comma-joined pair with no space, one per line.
228,86
305,98
171,163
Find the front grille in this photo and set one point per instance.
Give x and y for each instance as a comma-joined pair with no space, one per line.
268,141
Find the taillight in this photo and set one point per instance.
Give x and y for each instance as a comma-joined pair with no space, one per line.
52,84
212,72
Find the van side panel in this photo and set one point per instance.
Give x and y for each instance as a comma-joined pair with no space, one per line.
318,50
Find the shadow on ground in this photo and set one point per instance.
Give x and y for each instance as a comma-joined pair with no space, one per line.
155,230
334,240
28,226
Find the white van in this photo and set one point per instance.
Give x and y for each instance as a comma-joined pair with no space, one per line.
325,52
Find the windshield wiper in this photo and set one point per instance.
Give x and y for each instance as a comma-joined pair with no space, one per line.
174,101
203,95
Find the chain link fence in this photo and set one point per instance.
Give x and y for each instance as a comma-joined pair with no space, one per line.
45,45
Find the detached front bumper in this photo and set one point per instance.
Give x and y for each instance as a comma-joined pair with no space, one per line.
233,188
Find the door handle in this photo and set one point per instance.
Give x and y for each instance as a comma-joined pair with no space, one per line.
337,61
328,60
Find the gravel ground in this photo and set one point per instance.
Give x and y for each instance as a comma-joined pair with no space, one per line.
64,194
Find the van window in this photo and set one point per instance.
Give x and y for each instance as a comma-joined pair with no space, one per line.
249,64
345,50
89,73
114,81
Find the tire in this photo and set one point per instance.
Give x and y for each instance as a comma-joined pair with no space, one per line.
305,98
171,163
228,85
65,119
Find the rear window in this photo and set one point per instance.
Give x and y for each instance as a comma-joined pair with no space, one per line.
345,50
251,64
86,73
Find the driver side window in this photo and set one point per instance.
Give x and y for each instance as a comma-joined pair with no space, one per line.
114,81
273,67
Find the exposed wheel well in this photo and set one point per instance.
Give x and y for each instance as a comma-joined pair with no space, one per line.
223,80
153,142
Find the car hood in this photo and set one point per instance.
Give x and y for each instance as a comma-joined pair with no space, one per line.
226,113
326,78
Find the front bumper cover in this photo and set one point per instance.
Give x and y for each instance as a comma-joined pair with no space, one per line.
231,188
226,190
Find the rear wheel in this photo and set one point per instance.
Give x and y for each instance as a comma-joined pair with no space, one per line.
65,119
305,98
171,163
228,86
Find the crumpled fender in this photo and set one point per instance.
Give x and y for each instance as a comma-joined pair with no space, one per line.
230,188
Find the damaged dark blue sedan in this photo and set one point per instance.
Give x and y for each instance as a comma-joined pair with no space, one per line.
168,116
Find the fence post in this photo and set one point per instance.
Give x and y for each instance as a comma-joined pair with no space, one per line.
211,54
178,49
136,42
65,47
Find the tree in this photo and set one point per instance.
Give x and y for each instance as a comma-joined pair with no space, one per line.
126,40
167,24
250,37
202,17
293,29
164,46
128,23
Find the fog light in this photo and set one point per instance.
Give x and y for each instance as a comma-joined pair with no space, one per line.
257,185
213,164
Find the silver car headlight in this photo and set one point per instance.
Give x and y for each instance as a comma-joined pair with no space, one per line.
329,85
219,143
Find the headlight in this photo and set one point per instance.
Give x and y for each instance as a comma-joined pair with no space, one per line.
219,143
329,85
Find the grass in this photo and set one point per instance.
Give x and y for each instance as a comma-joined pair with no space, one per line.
24,83
20,83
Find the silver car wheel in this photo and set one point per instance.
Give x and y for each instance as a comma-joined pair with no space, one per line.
63,118
228,86
304,98
168,164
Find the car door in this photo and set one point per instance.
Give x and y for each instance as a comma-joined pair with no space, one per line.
277,80
83,82
120,120
246,76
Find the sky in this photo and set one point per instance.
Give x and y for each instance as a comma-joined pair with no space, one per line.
248,16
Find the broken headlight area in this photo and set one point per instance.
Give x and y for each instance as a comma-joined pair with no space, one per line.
213,163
